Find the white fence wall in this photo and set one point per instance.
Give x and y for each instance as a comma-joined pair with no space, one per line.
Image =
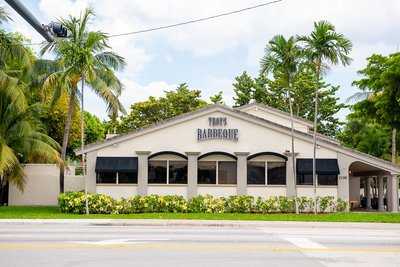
42,185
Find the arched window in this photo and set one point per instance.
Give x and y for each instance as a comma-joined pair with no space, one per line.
266,168
217,168
167,167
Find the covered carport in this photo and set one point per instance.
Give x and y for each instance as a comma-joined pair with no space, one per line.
372,187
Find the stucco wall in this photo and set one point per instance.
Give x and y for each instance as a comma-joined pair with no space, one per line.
42,185
308,191
266,192
182,138
117,191
217,191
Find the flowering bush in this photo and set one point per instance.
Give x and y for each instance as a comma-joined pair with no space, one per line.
266,205
74,202
239,204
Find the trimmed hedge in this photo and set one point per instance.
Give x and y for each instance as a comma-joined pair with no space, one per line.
74,202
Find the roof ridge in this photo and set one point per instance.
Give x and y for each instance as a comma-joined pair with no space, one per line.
261,105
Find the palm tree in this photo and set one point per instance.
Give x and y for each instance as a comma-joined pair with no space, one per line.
83,56
283,58
20,137
324,46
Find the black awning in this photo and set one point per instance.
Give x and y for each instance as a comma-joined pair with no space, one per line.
323,166
109,164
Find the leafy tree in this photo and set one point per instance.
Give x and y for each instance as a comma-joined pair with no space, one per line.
272,92
324,46
83,56
244,87
381,78
154,110
94,130
217,98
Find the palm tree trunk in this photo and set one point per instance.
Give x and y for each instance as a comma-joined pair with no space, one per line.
293,153
314,163
394,156
67,128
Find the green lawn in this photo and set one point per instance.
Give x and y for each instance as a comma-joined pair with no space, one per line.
54,213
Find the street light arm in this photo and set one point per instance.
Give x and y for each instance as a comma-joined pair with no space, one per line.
28,16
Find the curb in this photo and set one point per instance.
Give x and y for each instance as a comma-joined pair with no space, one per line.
198,223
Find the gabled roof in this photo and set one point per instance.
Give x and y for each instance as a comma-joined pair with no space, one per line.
322,140
276,112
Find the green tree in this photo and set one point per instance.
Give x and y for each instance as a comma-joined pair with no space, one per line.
83,56
272,92
381,78
324,46
94,130
21,140
217,98
244,87
154,110
365,134
283,59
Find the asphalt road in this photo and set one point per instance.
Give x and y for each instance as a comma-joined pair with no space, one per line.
274,244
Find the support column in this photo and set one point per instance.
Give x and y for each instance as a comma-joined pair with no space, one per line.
241,173
90,178
392,193
143,171
380,194
192,174
368,192
290,177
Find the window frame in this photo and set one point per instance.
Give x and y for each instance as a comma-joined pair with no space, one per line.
266,173
216,173
116,180
167,172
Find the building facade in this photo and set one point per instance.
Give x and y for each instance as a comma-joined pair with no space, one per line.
225,151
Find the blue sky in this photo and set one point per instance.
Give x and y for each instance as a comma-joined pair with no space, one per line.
209,55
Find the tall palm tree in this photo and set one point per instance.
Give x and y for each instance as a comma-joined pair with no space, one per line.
324,47
83,56
20,138
283,58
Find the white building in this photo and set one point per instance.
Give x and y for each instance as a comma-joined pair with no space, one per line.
225,151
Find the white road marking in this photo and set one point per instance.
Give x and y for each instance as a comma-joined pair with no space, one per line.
304,243
118,241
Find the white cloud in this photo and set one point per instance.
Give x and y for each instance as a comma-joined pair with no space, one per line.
370,24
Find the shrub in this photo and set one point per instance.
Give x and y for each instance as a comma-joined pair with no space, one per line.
174,204
74,202
305,204
341,205
286,204
239,204
326,204
266,205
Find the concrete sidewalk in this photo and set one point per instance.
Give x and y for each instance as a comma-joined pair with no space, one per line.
200,223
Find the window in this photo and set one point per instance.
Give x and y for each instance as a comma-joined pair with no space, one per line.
227,172
276,173
157,172
127,177
167,172
304,179
327,179
216,172
256,172
177,172
207,172
106,177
